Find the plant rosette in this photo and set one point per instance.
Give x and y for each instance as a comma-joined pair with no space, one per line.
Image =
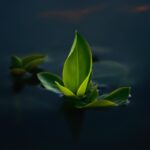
76,82
20,66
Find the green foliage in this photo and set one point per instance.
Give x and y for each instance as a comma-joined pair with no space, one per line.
48,81
119,95
65,90
78,66
76,83
16,62
25,64
115,98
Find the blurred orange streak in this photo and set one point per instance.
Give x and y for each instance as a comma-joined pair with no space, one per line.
72,15
140,9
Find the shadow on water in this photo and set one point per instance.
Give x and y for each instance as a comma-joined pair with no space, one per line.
28,79
74,118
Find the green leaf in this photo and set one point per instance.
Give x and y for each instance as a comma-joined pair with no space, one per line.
78,66
98,103
65,90
92,101
32,61
33,64
48,81
119,95
83,87
115,98
16,62
27,59
92,94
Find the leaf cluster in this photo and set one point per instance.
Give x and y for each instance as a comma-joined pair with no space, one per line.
76,82
21,65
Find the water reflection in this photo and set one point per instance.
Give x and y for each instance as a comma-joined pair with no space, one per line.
111,73
30,79
74,118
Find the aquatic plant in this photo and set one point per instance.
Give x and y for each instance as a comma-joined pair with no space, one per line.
22,65
76,83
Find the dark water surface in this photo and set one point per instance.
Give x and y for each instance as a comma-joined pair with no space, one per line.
119,33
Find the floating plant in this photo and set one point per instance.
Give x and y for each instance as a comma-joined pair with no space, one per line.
20,66
76,82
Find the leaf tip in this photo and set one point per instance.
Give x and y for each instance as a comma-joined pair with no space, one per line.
76,31
39,75
77,34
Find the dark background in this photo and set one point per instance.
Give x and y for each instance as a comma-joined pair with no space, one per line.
119,34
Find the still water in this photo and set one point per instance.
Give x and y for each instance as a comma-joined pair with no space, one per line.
32,118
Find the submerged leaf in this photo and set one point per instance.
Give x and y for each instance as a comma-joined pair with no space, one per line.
33,64
111,73
16,62
109,69
78,66
30,58
17,71
48,81
119,95
25,64
65,90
